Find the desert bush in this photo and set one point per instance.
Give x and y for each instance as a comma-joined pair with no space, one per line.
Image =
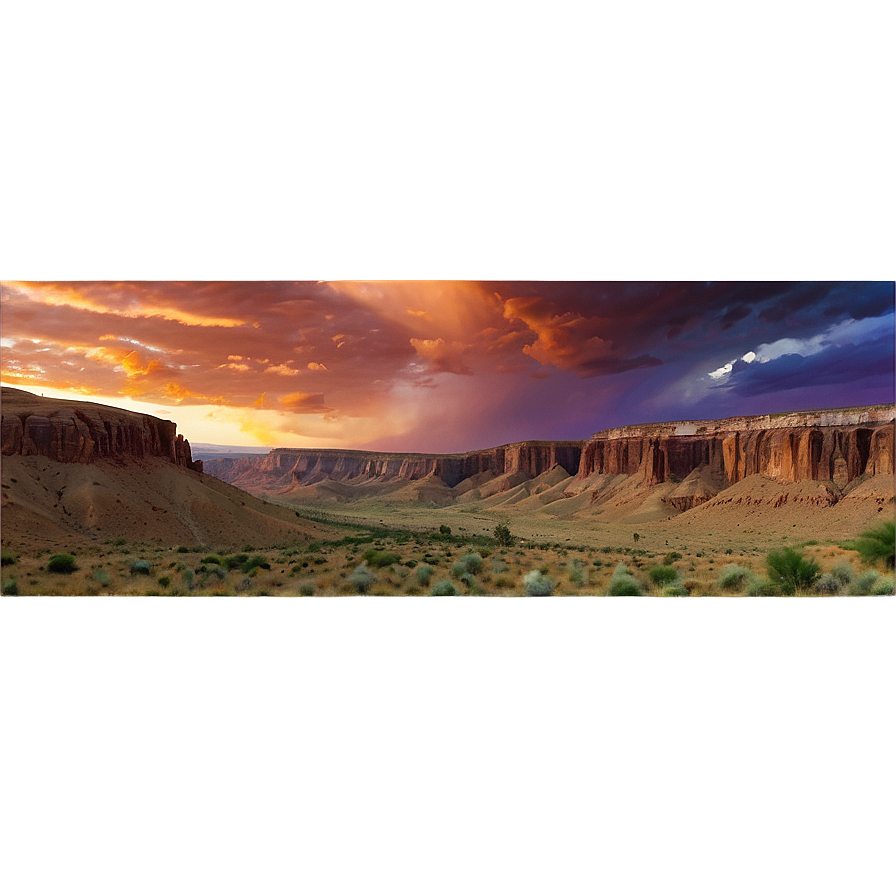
443,588
444,530
538,584
307,588
865,583
622,583
141,568
164,581
503,536
61,563
187,576
790,570
257,562
763,588
828,584
381,559
884,585
671,558
361,579
578,574
10,587
423,574
675,591
662,575
843,573
183,550
877,544
7,558
734,577
102,577
211,558
235,561
473,562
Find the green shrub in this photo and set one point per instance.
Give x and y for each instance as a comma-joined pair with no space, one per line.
7,558
622,583
61,563
211,558
662,575
734,577
675,591
164,581
423,574
878,543
307,588
791,571
102,577
537,584
11,587
443,588
866,583
187,576
671,558
469,563
183,550
381,559
763,588
578,574
884,585
843,573
235,561
141,567
257,562
361,579
444,530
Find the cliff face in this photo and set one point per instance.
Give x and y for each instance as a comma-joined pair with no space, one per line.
284,467
81,432
836,446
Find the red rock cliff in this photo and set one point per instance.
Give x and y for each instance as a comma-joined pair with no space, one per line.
838,445
81,432
284,467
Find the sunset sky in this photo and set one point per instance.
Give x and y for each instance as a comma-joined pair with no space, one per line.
446,366
441,226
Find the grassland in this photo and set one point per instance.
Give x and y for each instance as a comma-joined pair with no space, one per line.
377,560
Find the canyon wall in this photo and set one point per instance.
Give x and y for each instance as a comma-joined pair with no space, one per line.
837,445
81,432
704,456
285,467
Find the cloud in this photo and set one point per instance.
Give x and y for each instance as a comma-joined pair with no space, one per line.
442,357
529,359
304,403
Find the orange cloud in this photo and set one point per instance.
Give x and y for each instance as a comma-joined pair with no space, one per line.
442,356
304,403
313,365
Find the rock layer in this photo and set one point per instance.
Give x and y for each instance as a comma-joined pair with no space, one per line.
82,432
285,467
837,446
699,458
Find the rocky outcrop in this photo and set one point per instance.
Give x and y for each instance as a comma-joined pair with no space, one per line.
286,467
82,432
838,446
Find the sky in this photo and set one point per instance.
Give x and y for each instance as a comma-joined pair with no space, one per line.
440,226
446,366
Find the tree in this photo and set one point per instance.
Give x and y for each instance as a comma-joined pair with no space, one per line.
503,536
